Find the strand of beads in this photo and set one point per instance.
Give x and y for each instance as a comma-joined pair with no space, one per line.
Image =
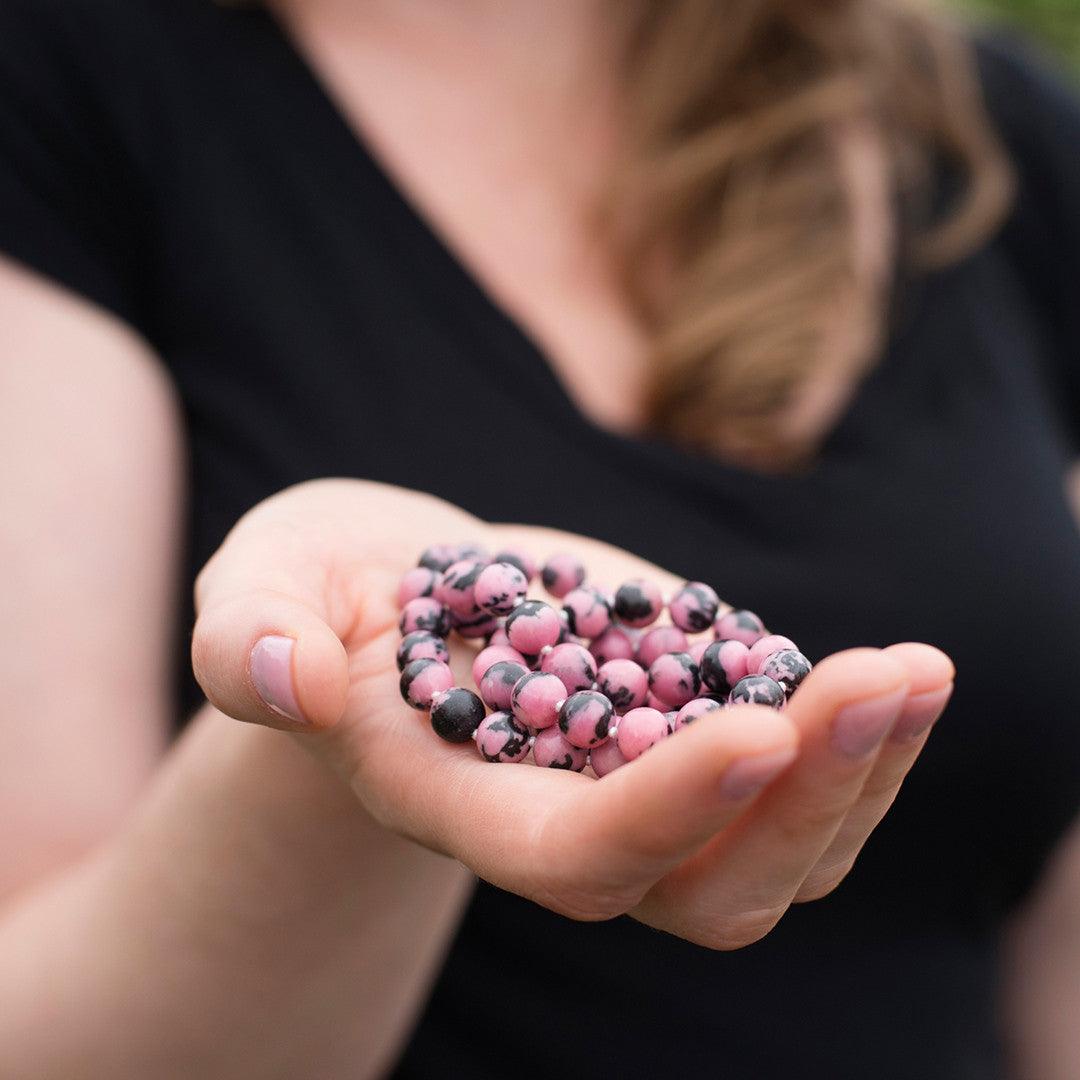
594,681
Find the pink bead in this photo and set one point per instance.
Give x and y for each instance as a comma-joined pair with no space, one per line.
501,738
573,664
561,574
613,644
492,655
697,649
674,679
521,559
638,602
693,709
421,645
653,702
532,625
421,680
639,729
552,751
536,699
660,640
763,648
742,626
419,581
606,758
498,636
585,718
457,588
497,684
588,611
499,588
723,664
624,683
424,613
439,556
693,608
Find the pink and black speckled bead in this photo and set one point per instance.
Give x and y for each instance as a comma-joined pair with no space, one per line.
588,611
533,625
521,559
639,729
694,709
492,655
674,679
757,689
624,683
455,714
562,573
660,640
638,602
606,758
723,664
693,608
552,751
439,556
573,664
421,680
763,648
425,613
419,581
421,645
613,644
788,667
585,718
457,588
499,588
501,738
497,684
536,699
742,626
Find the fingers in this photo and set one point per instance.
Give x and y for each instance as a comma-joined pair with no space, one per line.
930,674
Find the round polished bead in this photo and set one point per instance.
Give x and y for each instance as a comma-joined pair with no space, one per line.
638,602
613,644
499,588
573,664
759,690
585,718
536,698
497,684
674,679
660,640
763,648
438,557
561,574
693,608
693,709
788,667
624,683
552,751
457,589
588,611
639,729
421,680
742,626
492,655
501,738
521,559
532,625
425,613
419,581
605,758
421,645
723,664
456,714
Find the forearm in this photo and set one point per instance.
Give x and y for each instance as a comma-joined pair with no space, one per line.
250,921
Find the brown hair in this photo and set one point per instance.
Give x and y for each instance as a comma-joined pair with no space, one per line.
739,218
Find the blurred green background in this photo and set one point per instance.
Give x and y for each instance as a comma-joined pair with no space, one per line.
1052,23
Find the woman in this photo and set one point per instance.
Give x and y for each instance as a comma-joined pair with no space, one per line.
741,289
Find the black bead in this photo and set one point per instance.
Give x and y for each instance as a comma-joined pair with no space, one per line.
457,715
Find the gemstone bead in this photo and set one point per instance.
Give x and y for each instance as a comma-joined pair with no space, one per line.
693,709
674,679
501,738
763,648
613,644
624,683
639,729
723,664
499,588
457,589
425,613
660,640
588,611
419,581
638,602
492,655
521,559
606,758
420,645
532,625
788,667
758,689
573,664
552,751
742,626
693,608
536,699
456,714
561,574
421,680
585,718
497,683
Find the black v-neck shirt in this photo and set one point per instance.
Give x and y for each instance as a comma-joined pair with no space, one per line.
178,164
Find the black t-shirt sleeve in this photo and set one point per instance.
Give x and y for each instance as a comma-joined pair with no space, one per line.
1037,114
69,207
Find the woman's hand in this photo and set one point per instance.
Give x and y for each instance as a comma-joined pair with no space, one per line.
710,835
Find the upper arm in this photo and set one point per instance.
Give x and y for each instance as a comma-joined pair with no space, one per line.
90,485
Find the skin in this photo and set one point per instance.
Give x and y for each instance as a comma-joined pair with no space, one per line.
271,851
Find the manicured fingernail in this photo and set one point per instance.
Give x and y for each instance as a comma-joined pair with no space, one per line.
919,712
749,775
271,672
858,729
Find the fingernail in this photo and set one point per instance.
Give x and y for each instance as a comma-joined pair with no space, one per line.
271,672
919,712
858,729
749,775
